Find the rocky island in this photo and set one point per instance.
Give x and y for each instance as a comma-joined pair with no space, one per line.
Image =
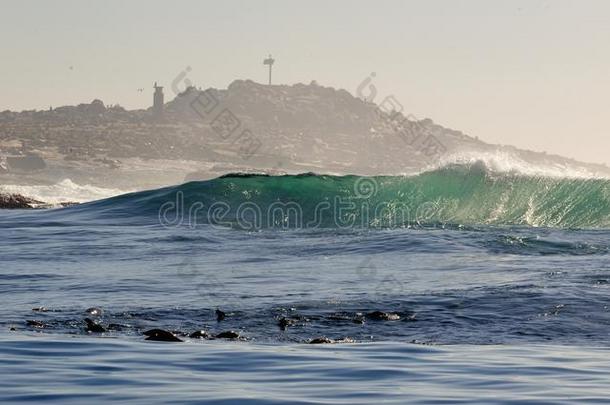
246,127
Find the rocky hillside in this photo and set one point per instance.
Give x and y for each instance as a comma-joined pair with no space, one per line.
316,127
247,126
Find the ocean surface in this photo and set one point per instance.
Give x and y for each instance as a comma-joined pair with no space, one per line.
462,284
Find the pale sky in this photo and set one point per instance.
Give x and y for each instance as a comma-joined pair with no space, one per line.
534,74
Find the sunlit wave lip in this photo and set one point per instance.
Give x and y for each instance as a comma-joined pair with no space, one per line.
505,162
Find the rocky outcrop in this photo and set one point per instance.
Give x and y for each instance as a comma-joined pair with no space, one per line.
277,128
16,201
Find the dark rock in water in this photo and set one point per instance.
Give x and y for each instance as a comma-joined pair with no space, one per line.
325,340
36,324
152,332
200,334
227,335
94,327
321,340
383,316
16,201
161,335
94,311
284,323
12,329
40,309
220,315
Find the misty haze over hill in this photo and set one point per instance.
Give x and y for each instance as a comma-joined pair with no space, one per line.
246,127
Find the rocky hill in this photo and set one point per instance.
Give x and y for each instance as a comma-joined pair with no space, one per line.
248,126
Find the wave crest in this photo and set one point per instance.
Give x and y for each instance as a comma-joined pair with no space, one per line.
469,194
506,162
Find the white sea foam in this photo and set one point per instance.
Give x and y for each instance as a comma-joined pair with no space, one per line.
64,191
506,162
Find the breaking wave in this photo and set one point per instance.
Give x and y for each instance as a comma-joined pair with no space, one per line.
456,194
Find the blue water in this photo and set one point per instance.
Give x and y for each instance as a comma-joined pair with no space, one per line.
505,313
88,370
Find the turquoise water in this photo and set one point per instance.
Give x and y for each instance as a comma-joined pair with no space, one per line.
499,291
455,194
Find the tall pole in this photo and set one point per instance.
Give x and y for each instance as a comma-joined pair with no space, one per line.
270,66
269,61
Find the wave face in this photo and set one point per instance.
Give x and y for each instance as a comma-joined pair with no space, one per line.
453,195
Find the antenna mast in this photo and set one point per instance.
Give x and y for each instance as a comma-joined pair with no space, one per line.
269,61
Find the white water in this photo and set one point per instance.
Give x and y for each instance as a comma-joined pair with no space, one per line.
64,191
506,162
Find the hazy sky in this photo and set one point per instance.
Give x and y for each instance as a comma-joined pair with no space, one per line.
535,74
